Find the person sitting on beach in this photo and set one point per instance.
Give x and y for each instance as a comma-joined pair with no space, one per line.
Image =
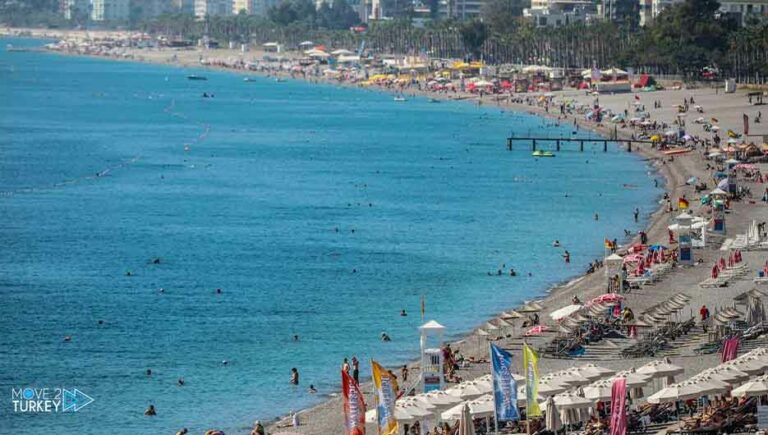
294,376
575,300
150,411
258,429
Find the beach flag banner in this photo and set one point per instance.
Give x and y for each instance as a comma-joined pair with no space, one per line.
354,406
385,394
504,385
730,349
746,124
531,365
682,203
618,407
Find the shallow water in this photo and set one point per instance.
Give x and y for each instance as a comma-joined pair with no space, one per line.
318,211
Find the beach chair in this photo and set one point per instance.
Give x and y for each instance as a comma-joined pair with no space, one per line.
760,280
720,281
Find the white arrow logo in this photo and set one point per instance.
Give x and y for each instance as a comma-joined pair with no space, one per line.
75,400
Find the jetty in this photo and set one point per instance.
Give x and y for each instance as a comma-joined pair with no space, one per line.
559,142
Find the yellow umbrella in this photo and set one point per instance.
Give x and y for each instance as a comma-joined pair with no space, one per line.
655,138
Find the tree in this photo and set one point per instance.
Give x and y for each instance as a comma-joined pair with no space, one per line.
473,34
502,16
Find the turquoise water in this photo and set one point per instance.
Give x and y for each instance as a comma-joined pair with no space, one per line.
245,192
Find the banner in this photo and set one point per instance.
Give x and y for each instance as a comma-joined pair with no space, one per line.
682,203
730,349
504,385
385,394
531,366
354,406
618,407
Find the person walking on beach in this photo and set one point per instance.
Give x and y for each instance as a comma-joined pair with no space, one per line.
345,366
404,373
355,369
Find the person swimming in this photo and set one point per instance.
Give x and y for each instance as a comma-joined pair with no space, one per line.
294,376
180,382
150,411
403,313
385,337
512,272
312,389
556,244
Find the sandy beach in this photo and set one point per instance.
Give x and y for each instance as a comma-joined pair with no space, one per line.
728,109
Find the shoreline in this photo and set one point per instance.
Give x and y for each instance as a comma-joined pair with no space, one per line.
671,172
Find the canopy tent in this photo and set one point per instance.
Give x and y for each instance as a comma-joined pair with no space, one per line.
341,51
480,407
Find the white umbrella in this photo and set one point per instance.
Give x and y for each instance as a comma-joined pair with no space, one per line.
341,51
672,393
633,380
594,372
406,413
466,425
480,407
754,388
726,373
465,390
660,369
553,422
438,399
571,401
599,391
565,311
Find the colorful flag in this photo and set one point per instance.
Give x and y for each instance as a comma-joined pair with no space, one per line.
531,365
608,244
354,406
618,407
385,394
504,385
682,203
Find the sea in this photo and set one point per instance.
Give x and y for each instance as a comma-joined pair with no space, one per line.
146,227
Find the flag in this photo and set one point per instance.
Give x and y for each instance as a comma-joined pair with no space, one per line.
618,407
384,393
504,385
746,124
531,365
682,203
608,244
354,406
730,349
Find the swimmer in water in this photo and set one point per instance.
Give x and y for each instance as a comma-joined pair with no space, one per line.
403,313
312,389
556,244
294,376
150,411
295,338
385,337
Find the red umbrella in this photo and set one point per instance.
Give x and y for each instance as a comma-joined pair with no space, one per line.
505,84
722,263
608,298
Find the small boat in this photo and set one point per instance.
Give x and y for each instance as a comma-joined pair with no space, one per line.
249,79
279,80
400,98
540,153
434,100
196,77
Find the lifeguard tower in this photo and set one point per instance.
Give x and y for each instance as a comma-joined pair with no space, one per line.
684,222
432,377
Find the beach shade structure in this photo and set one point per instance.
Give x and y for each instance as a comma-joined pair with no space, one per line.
528,308
565,311
727,373
672,393
341,51
306,44
466,425
438,399
536,304
755,388
552,420
705,385
633,379
410,412
660,369
522,398
572,377
484,384
599,391
479,407
511,314
482,333
466,390
593,371
752,364
537,330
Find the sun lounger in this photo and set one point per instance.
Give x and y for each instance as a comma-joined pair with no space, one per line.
720,281
761,280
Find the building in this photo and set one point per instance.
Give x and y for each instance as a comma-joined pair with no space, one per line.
110,10
205,8
242,5
70,8
459,9
646,12
556,13
742,10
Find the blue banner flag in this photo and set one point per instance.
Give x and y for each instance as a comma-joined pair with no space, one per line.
504,385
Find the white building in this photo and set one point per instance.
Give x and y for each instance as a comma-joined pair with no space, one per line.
67,7
556,13
459,9
743,9
110,10
204,8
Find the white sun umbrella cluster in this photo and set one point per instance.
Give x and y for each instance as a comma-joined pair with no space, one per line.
663,369
480,407
754,388
405,412
753,362
468,390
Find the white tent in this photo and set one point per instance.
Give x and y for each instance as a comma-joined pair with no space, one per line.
754,388
480,407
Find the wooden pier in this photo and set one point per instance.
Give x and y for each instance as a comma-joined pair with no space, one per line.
560,141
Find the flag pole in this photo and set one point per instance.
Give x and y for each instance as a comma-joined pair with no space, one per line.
493,389
527,392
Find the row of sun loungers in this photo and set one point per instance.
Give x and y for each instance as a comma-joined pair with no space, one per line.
651,276
727,275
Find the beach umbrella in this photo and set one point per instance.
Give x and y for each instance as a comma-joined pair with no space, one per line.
672,393
608,298
522,398
466,425
754,388
536,304
565,311
660,368
553,422
480,407
410,412
633,380
511,314
726,373
341,51
465,390
599,391
438,399
752,365
570,401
